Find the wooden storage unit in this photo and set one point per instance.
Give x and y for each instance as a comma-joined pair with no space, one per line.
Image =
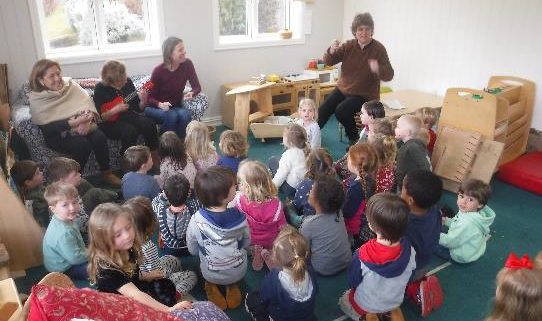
307,89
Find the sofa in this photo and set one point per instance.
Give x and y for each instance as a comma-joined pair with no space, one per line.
31,134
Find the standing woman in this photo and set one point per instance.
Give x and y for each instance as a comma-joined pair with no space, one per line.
122,121
66,116
169,79
365,63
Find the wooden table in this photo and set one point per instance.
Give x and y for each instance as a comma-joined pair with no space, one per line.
411,99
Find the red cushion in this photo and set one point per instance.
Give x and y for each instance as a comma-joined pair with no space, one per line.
524,172
55,304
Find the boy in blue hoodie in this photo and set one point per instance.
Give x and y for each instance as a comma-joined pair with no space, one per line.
380,269
467,233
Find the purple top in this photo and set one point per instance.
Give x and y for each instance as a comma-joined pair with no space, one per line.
169,85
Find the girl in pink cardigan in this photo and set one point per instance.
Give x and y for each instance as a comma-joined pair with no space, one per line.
259,202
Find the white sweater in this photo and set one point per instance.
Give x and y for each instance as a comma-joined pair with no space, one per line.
313,133
291,168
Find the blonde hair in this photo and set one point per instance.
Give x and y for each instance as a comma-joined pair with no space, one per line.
311,103
386,149
233,144
296,136
518,297
538,261
290,251
255,181
319,162
414,123
113,71
423,136
38,72
59,191
101,249
197,141
428,115
364,158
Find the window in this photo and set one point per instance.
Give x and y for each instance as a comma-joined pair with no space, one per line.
248,23
75,29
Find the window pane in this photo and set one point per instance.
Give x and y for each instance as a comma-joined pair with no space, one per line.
69,23
124,20
271,16
233,17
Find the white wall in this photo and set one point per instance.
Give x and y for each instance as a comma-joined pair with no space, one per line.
190,20
436,44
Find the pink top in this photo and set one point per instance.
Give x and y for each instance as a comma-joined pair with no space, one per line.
264,219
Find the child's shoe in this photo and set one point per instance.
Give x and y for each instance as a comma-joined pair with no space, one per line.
346,307
435,290
268,258
233,296
257,260
426,302
214,295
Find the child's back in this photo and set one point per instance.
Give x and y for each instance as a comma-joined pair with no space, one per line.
139,184
173,225
412,155
264,219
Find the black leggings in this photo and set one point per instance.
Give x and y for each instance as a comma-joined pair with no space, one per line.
345,108
162,290
128,127
79,147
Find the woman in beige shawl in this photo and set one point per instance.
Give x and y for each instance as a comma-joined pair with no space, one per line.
66,116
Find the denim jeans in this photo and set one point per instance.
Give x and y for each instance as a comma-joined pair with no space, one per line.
175,119
78,272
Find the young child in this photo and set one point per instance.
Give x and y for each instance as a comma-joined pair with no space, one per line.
412,154
325,231
234,148
308,115
259,202
319,163
63,247
220,236
421,191
362,163
428,116
174,208
386,151
288,172
137,182
381,268
519,292
166,266
174,159
289,292
28,179
199,146
370,111
465,240
66,170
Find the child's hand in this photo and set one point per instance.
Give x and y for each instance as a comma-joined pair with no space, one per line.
183,305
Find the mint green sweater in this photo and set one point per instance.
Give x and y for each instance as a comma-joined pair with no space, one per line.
63,246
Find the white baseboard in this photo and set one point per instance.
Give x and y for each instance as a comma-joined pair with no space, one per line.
214,121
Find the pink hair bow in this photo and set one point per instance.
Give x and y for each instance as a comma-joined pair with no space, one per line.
513,262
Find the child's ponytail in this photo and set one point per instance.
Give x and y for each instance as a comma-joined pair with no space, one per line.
296,136
290,251
299,267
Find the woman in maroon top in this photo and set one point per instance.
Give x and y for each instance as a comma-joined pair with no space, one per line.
169,79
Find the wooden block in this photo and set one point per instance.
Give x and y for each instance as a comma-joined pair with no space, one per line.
9,293
242,110
487,158
4,97
7,310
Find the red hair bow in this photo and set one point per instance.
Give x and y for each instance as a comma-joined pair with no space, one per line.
513,262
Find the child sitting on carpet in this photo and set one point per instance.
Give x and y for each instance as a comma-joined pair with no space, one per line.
308,115
264,212
166,266
220,236
468,231
234,148
381,268
138,161
288,172
28,179
174,159
386,151
287,293
428,116
370,111
199,145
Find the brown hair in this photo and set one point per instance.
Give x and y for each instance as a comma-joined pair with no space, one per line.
38,72
212,185
477,189
362,19
21,172
428,115
101,249
518,296
382,126
363,157
177,189
58,191
296,136
538,261
423,136
172,146
290,251
233,144
167,48
60,167
374,109
144,218
387,215
113,71
319,162
135,157
386,149
255,181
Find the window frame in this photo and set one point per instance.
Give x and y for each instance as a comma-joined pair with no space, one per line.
254,39
72,55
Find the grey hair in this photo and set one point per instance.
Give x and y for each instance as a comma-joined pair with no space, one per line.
362,19
167,48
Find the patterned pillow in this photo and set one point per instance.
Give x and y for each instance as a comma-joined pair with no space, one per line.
56,304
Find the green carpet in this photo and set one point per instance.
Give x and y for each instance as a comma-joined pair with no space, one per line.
468,289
